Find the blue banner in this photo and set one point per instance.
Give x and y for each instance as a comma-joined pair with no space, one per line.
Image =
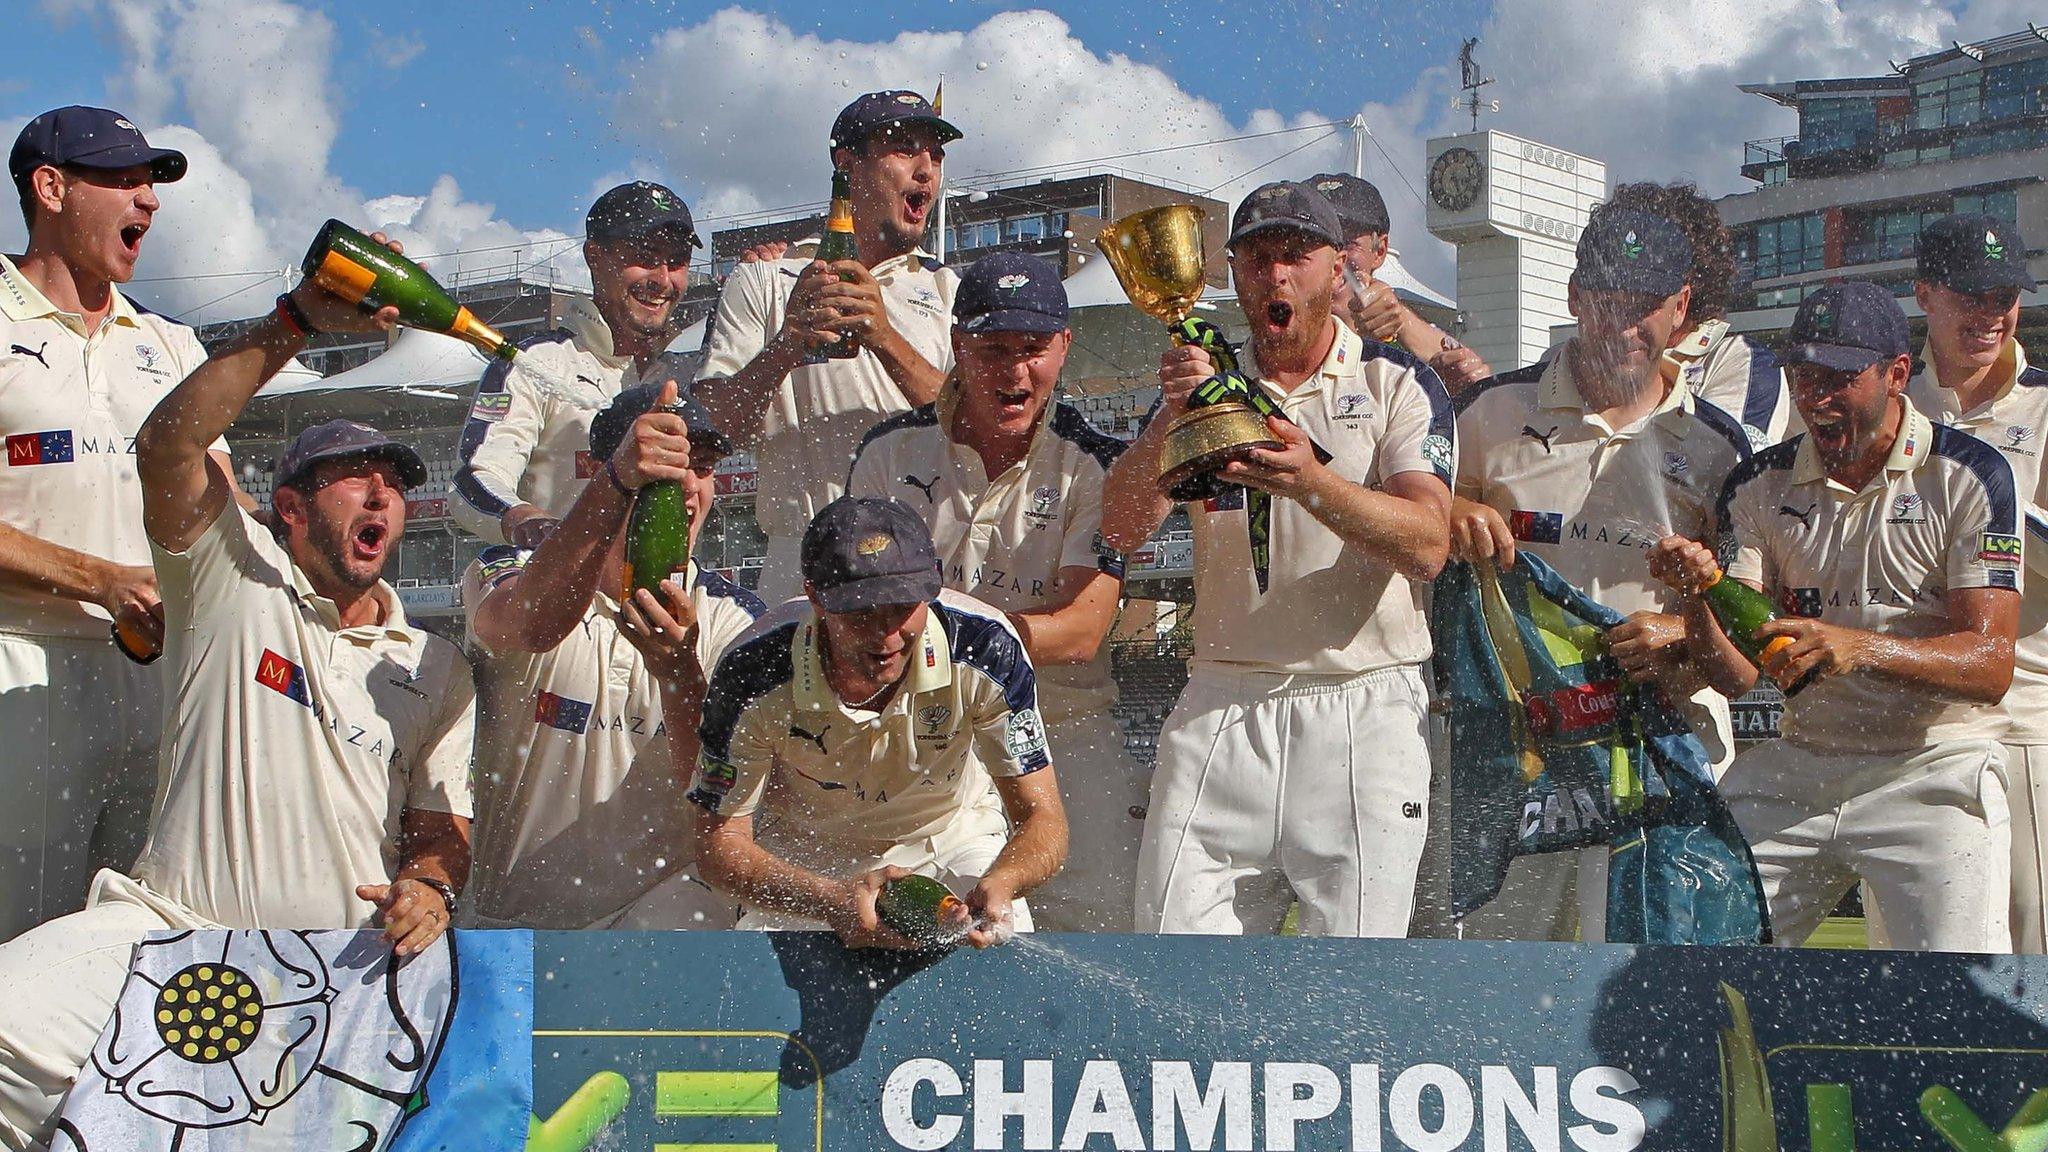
743,1042
788,1042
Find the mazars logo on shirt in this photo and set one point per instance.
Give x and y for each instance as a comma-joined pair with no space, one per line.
561,713
1536,527
284,678
31,448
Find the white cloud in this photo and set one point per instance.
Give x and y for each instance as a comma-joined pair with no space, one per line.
740,106
243,88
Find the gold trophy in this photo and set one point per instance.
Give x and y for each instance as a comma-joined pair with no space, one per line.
1157,257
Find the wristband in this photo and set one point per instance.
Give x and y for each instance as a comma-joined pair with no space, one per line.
612,473
294,317
447,893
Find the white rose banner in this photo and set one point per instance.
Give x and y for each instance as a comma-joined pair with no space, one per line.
309,1041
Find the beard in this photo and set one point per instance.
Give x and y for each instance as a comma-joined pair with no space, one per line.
330,542
1308,320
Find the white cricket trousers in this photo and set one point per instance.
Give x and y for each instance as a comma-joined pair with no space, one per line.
58,986
1926,831
957,857
79,728
1272,788
2026,770
1104,792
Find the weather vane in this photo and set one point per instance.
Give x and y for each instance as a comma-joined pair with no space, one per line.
1472,81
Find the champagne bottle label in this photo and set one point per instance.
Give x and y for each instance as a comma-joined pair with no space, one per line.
345,278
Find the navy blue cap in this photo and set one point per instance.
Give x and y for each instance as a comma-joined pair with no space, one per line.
878,110
1630,250
862,552
609,427
638,209
1847,327
89,138
1359,204
1287,204
339,439
1974,254
1010,292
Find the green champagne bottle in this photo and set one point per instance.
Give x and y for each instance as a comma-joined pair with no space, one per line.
838,244
1742,610
657,534
362,271
920,908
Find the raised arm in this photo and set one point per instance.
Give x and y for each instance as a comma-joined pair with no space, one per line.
534,610
744,363
181,494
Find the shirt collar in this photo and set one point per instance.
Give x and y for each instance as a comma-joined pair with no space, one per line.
1912,448
911,261
1557,388
2011,365
1699,341
931,668
1342,360
22,300
394,627
581,317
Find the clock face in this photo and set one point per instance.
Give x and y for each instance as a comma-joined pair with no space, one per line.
1456,178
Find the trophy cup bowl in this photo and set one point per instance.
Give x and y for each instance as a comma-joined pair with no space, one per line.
1157,255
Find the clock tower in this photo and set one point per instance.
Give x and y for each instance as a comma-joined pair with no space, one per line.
1514,208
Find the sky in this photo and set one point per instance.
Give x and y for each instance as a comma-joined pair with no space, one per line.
479,132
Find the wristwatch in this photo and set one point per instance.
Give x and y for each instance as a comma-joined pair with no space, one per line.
447,893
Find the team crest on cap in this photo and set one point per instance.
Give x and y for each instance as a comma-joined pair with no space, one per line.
1994,248
1013,281
873,545
907,98
1631,247
661,198
125,124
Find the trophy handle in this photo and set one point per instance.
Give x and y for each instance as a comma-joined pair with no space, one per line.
1206,336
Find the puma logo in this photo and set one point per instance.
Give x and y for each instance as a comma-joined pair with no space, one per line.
582,379
1542,438
924,486
817,738
37,352
1805,518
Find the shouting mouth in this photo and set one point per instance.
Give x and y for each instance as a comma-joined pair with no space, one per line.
131,239
368,542
916,203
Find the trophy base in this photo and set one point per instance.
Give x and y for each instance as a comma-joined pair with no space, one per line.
1205,439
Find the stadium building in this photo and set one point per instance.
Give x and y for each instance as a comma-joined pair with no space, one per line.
1877,157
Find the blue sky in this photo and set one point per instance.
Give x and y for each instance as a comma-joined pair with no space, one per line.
475,129
546,82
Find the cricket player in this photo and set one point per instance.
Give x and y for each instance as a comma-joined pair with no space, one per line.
1893,544
80,368
524,446
1587,459
877,727
580,815
315,768
1377,313
1722,367
1009,481
1976,378
765,377
1295,764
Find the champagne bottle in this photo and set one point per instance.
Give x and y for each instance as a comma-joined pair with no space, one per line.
838,244
920,908
134,645
1742,610
657,534
362,271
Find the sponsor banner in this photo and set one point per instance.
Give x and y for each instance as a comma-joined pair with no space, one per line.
1172,1043
736,483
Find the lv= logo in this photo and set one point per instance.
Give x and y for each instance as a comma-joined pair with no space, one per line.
1830,1107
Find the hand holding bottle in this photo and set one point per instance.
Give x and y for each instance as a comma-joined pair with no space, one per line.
1684,565
657,447
331,312
852,301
